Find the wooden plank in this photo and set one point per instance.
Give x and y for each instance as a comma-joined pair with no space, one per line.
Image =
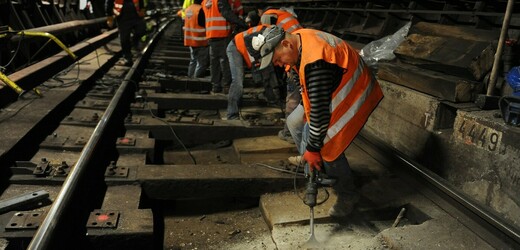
188,101
446,87
199,133
454,56
197,101
460,32
207,181
183,83
173,60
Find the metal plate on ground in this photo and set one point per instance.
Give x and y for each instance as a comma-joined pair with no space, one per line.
103,219
25,220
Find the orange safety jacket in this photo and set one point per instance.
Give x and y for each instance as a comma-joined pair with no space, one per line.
354,99
241,44
285,20
118,5
194,34
216,25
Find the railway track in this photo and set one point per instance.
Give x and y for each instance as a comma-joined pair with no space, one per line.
117,145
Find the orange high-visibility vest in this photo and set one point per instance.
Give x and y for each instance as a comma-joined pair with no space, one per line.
285,20
353,100
241,44
216,25
194,34
118,5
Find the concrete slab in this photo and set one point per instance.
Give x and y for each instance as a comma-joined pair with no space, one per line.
262,145
287,208
124,197
404,119
134,231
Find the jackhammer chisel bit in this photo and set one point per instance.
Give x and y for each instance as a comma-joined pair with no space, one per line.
311,194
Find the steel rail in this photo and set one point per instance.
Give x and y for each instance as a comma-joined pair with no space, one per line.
47,230
60,28
51,65
485,223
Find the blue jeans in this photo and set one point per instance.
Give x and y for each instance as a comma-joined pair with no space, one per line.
236,63
199,61
338,169
295,124
219,63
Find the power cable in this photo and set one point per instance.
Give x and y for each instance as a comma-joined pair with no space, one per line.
173,132
3,68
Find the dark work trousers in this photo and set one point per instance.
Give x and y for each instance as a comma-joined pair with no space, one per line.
219,63
127,28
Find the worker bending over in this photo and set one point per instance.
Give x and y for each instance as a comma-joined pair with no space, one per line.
339,93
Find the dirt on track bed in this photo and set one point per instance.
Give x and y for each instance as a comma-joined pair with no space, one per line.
208,225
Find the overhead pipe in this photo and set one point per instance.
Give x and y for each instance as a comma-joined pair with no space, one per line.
60,28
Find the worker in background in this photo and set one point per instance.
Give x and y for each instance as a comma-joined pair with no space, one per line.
238,9
339,93
239,51
129,16
219,17
195,39
185,6
285,18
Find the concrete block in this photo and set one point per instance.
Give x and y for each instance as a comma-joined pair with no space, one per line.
404,119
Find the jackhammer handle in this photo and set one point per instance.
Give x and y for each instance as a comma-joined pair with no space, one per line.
311,191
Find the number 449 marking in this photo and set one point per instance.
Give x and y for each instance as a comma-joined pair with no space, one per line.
479,135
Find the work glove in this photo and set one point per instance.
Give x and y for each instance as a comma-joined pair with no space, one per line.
110,21
142,12
313,159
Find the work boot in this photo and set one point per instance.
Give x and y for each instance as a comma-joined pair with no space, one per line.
343,206
231,117
124,62
296,160
216,91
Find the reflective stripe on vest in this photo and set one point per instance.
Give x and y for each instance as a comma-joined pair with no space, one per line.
285,20
216,24
194,34
353,100
241,44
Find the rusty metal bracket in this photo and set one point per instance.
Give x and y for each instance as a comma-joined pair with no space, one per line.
28,199
54,141
90,119
117,172
125,141
190,119
43,169
103,219
25,220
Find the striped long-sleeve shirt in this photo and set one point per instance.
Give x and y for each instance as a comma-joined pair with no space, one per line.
322,79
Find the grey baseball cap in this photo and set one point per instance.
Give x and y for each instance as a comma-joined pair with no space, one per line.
266,42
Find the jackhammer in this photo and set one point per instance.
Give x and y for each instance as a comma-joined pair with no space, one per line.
315,180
